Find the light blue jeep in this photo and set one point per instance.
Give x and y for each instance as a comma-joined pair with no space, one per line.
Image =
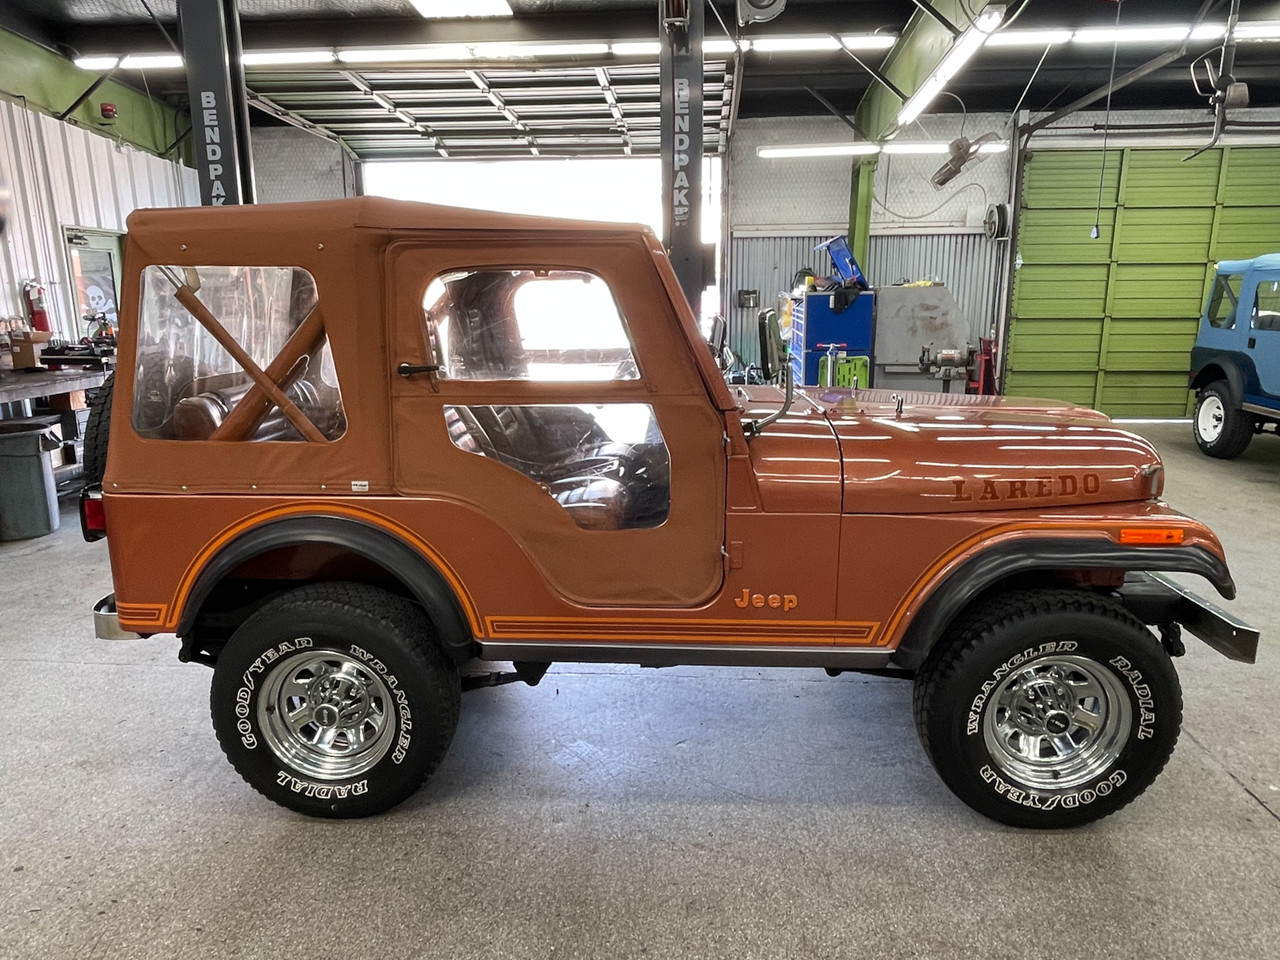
1235,364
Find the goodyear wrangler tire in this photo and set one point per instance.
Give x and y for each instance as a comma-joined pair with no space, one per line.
1048,708
335,700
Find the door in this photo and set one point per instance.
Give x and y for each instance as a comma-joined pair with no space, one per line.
94,257
1264,332
1110,322
566,408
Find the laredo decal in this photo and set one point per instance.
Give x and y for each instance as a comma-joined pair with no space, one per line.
787,601
1040,488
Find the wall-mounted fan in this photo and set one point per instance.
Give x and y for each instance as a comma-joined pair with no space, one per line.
963,152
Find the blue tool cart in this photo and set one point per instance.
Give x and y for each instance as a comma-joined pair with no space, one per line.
821,319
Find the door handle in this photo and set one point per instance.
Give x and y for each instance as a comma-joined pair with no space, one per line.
409,369
1253,342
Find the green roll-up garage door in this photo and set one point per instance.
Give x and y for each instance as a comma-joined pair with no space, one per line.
1110,322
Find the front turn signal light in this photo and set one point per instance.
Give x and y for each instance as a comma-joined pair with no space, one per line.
1152,536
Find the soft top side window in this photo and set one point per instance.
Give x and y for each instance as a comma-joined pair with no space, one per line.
1266,305
527,324
1223,303
189,386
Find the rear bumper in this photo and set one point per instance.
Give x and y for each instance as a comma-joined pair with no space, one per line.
1156,599
106,622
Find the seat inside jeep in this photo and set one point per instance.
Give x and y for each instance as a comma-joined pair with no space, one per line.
603,484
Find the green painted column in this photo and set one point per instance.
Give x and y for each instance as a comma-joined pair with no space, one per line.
862,184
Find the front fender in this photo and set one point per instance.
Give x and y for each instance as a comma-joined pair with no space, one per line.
997,563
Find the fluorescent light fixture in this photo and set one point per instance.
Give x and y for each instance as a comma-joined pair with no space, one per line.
1210,31
640,48
962,50
868,41
452,9
506,51
428,54
651,48
1162,34
915,149
263,58
96,63
820,150
1028,38
1258,30
794,44
724,46
151,61
925,148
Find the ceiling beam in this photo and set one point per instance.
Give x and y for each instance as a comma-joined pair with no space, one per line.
920,48
392,109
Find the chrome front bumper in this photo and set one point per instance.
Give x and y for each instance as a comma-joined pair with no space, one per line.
106,622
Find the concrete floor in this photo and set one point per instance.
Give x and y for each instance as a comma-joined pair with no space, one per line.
615,812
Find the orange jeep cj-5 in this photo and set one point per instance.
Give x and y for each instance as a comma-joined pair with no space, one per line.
351,445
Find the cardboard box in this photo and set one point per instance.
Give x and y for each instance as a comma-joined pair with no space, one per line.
27,345
75,400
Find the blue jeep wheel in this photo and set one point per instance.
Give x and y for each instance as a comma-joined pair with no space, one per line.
1222,429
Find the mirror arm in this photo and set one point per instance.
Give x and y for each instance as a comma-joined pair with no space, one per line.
754,427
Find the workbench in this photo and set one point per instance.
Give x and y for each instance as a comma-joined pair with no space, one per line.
17,387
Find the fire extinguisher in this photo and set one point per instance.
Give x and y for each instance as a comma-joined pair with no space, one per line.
33,293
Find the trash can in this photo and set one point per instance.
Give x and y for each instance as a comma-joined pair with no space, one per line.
28,495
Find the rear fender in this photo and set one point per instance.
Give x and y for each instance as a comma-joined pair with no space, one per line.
402,562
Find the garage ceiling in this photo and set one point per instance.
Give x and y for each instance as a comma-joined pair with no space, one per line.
606,102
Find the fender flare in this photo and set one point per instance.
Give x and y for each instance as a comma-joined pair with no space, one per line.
419,576
1231,373
997,563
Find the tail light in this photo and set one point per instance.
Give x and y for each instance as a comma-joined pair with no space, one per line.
93,518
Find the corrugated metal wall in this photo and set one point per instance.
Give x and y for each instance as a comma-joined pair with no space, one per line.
969,264
766,264
1110,322
62,175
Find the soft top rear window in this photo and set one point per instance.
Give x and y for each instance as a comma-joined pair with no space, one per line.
189,386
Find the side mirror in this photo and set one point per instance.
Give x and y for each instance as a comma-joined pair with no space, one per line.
773,361
719,332
773,349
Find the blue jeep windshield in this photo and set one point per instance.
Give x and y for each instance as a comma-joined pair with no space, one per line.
1225,299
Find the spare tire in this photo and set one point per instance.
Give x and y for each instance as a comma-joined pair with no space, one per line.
96,431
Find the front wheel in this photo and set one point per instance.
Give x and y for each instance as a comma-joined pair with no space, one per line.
335,700
1048,708
1222,430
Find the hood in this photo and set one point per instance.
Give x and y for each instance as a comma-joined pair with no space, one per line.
952,453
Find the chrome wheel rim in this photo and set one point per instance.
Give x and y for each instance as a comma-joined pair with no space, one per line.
1209,418
326,715
1057,723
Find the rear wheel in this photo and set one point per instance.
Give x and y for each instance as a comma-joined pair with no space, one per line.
1048,708
1222,429
335,700
96,430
